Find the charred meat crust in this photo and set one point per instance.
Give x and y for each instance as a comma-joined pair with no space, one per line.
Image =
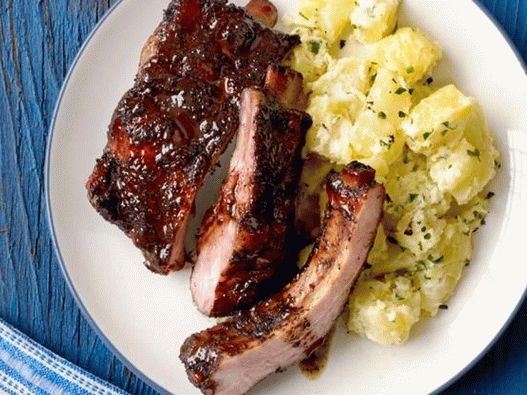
170,128
264,215
287,311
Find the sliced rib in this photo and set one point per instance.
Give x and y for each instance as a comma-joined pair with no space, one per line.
231,357
246,235
170,129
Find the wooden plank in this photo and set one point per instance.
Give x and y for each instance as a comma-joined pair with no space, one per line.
39,41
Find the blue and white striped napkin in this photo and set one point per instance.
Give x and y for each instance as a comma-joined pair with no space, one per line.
27,368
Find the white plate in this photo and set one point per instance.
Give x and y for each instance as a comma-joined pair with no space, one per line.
144,317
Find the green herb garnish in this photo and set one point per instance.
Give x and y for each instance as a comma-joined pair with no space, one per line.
315,46
474,153
435,260
303,16
449,126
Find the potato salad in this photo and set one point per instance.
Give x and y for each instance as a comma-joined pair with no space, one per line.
373,99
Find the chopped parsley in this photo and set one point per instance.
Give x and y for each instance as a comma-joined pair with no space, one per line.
490,195
467,262
392,240
402,114
381,115
342,44
474,153
400,91
429,80
373,78
435,260
303,16
412,197
314,46
443,307
420,265
411,91
478,215
426,135
449,126
410,69
385,144
423,229
428,236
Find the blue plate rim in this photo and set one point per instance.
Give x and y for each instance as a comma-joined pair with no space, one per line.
49,216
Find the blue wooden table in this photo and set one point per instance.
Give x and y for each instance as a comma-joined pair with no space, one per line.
38,42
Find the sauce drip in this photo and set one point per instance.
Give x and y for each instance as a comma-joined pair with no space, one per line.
313,366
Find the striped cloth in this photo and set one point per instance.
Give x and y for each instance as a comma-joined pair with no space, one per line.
27,368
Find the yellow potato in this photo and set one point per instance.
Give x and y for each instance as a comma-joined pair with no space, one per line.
463,171
384,311
438,120
329,17
408,53
430,147
372,20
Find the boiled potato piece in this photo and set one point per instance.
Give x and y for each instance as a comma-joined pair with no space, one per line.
371,101
439,120
331,139
338,97
312,58
419,231
442,268
334,18
384,311
329,17
408,53
348,76
372,20
463,171
376,130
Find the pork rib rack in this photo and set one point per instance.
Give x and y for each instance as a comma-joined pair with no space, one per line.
169,130
247,234
231,357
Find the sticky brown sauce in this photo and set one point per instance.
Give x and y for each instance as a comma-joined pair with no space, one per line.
313,366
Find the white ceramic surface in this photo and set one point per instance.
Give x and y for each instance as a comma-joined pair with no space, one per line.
144,317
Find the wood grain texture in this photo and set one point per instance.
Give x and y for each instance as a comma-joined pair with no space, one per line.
38,42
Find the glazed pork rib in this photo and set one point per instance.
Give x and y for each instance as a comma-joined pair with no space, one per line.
244,236
231,357
169,130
